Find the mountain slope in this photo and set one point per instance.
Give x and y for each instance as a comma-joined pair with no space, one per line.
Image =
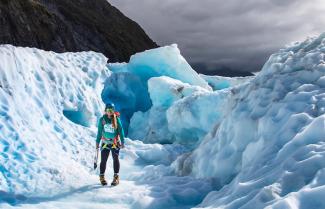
76,25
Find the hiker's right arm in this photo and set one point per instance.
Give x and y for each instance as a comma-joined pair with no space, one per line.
99,133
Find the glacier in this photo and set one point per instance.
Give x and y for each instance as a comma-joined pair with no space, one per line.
194,141
220,82
130,80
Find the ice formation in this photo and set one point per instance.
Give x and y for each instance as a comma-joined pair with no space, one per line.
44,97
152,126
270,148
130,80
49,107
163,61
220,82
257,143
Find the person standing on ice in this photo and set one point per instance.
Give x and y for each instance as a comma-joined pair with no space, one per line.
111,135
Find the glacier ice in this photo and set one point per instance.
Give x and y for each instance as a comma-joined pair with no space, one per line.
129,81
191,118
38,144
179,114
163,61
269,149
47,146
220,82
128,94
257,143
173,90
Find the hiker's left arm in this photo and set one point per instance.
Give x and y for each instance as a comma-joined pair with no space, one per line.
99,132
120,130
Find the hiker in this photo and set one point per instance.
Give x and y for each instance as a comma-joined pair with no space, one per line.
111,135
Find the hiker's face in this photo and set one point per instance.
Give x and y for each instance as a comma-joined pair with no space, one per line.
109,112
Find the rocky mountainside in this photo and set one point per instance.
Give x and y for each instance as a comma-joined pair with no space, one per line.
71,25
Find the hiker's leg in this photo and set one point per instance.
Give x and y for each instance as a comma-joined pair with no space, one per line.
103,161
116,161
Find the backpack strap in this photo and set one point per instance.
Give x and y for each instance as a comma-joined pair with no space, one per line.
117,114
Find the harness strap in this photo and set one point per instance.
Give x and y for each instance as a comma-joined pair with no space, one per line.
105,146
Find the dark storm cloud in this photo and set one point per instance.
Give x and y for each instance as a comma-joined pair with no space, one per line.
235,34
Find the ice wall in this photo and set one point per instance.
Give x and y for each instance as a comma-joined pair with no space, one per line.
179,112
270,148
46,102
166,61
128,85
220,82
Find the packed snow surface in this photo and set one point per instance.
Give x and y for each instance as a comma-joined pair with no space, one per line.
256,143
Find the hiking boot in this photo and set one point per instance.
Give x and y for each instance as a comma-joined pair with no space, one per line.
102,180
116,180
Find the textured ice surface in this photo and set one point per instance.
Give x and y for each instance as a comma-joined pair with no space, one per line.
44,97
259,144
191,118
49,106
128,94
269,150
180,113
163,61
152,126
220,82
129,81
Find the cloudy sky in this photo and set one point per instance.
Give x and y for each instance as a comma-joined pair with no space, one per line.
235,34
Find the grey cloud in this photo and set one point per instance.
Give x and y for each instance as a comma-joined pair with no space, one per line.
237,34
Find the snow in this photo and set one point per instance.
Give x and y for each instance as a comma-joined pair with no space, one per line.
251,143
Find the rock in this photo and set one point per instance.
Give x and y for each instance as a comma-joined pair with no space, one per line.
73,25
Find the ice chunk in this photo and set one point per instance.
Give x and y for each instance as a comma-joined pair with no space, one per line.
153,126
191,118
128,85
163,61
128,94
269,150
220,82
164,91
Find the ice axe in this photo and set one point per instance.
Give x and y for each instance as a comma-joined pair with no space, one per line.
96,158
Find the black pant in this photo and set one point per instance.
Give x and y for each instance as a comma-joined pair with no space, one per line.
104,157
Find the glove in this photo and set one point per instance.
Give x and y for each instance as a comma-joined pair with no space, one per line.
95,166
